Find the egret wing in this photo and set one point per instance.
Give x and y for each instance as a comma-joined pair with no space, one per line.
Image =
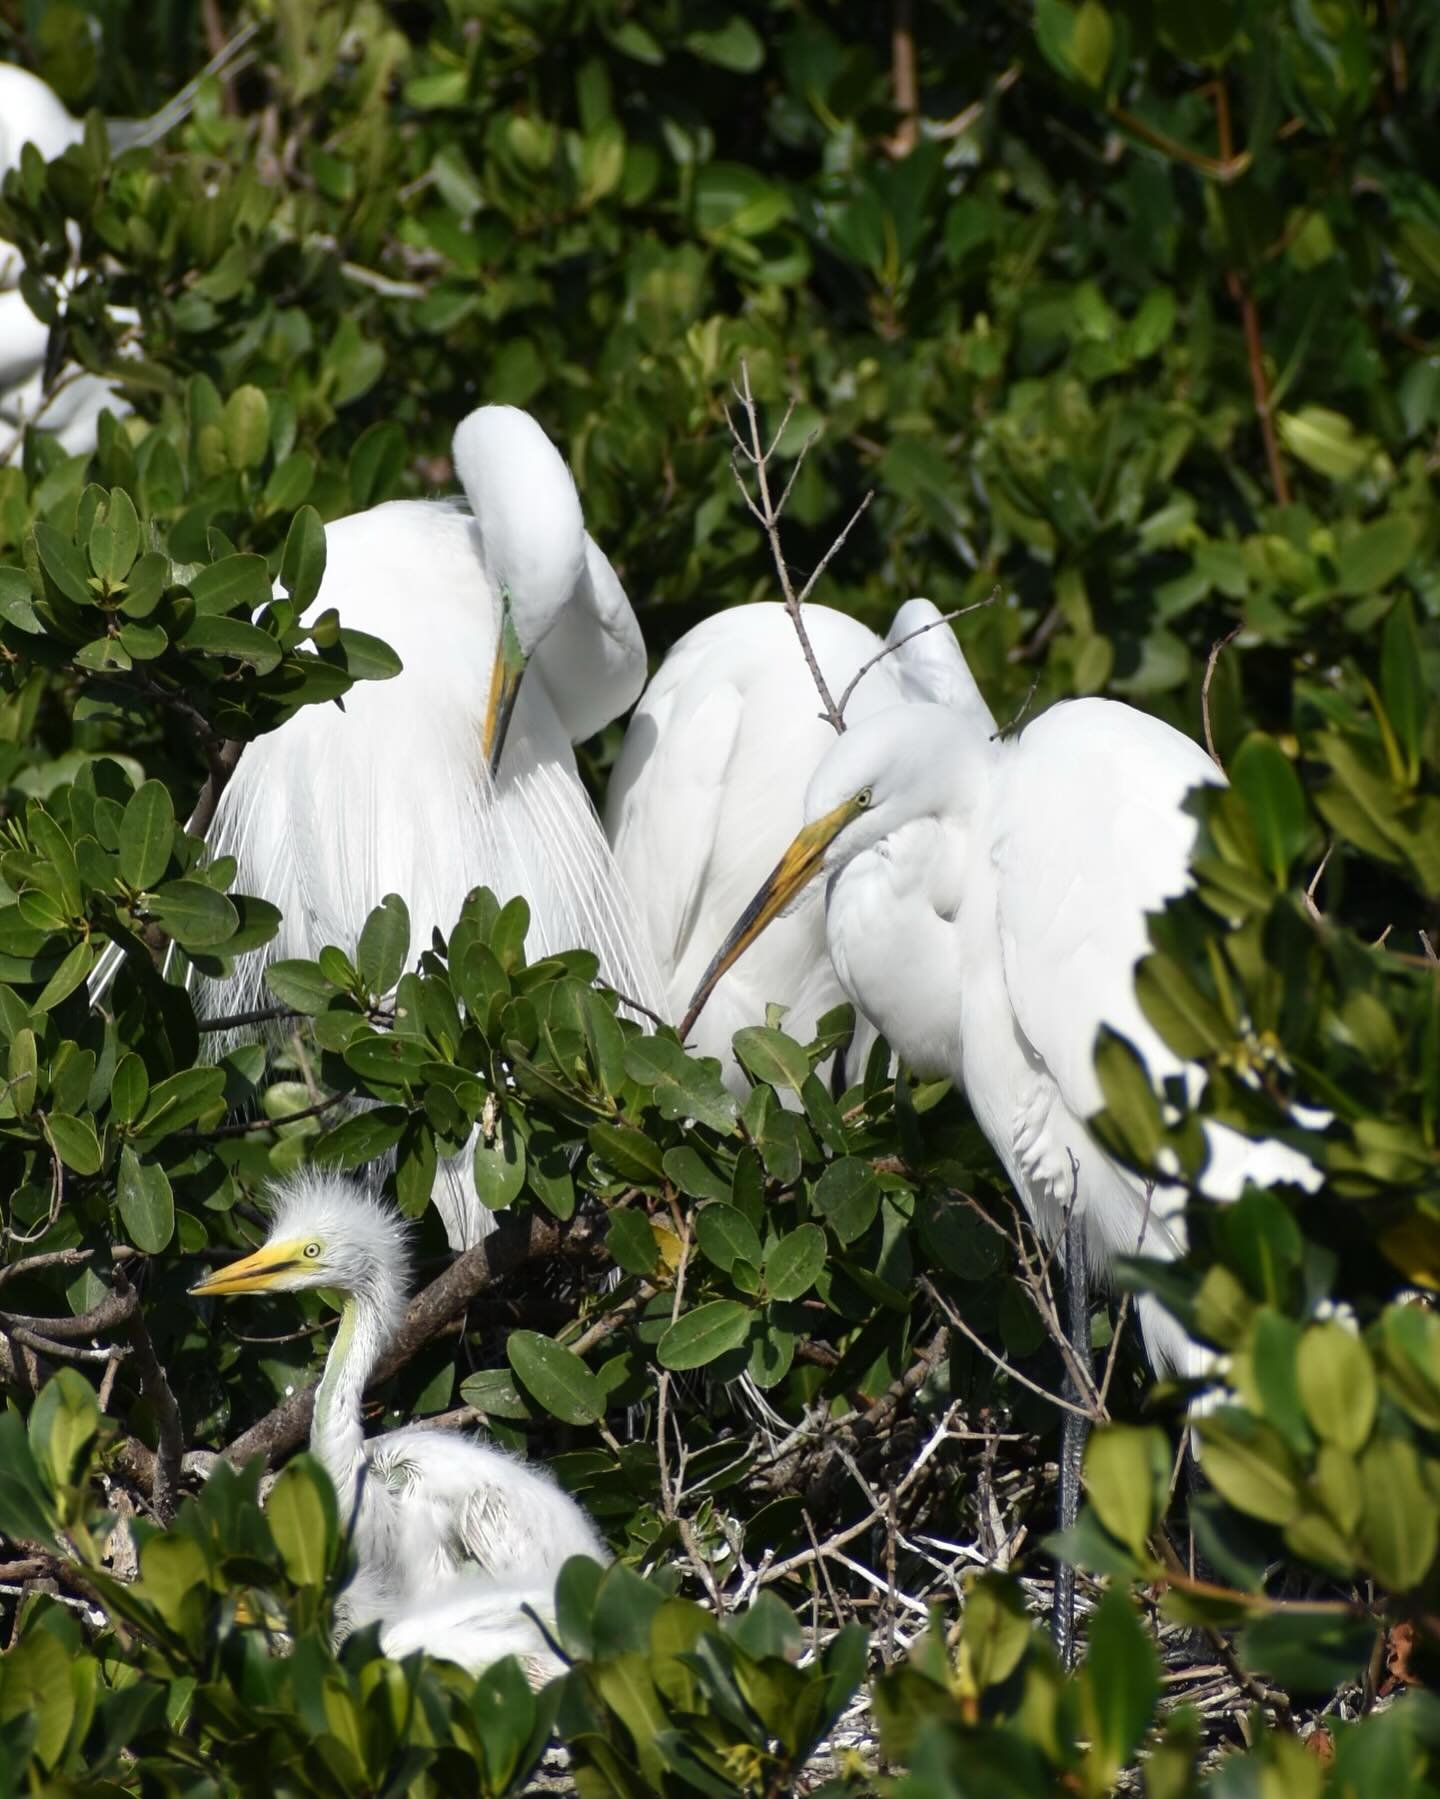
1090,835
664,805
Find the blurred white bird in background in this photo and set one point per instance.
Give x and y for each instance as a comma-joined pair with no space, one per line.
452,1537
985,906
517,640
32,113
710,785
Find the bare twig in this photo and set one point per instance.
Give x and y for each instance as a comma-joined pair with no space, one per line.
170,1431
768,516
222,765
256,1015
904,83
1312,905
1006,1368
945,618
1219,644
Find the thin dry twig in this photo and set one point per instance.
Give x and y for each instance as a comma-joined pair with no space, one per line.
768,516
1219,644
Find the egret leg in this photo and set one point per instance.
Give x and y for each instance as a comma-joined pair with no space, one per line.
1074,1429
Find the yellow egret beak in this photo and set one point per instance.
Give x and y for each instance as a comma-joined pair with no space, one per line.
793,872
257,1273
505,676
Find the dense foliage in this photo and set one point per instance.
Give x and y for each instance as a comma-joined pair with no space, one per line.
1127,313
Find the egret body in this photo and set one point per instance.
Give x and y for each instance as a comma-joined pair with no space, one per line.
985,906
710,786
517,640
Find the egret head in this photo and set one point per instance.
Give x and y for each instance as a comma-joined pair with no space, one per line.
532,540
893,767
325,1232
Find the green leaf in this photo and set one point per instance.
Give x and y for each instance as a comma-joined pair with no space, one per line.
64,1422
500,1165
300,985
1248,1464
1307,1654
794,1264
129,1088
693,1175
195,915
235,638
25,1509
363,1138
246,425
735,45
1338,1387
700,1337
234,583
303,1520
772,1056
1118,1691
389,1058
1375,554
180,1099
147,1207
555,1378
114,538
629,1152
997,1630
68,976
726,1236
493,1391
631,1242
1265,778
1402,680
65,564
1127,1474
147,831
367,658
74,1141
384,944
302,567
1398,1521
848,1195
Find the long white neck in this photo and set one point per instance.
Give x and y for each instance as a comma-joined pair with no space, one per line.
336,1433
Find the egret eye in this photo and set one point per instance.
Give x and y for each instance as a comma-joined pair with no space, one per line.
312,1250
864,797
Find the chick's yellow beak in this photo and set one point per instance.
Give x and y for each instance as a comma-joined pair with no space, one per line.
794,871
256,1273
505,676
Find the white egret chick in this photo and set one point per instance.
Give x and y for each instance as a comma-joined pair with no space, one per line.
517,640
710,786
452,1537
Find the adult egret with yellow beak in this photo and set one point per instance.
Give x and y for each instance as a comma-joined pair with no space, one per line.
985,906
517,641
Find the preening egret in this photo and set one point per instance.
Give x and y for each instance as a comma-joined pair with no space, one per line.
452,1537
516,639
985,906
710,786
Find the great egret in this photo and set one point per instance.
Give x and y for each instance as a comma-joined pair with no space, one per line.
32,113
710,786
452,1537
985,906
516,637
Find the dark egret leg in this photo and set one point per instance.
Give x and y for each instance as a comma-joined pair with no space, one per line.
1074,1429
